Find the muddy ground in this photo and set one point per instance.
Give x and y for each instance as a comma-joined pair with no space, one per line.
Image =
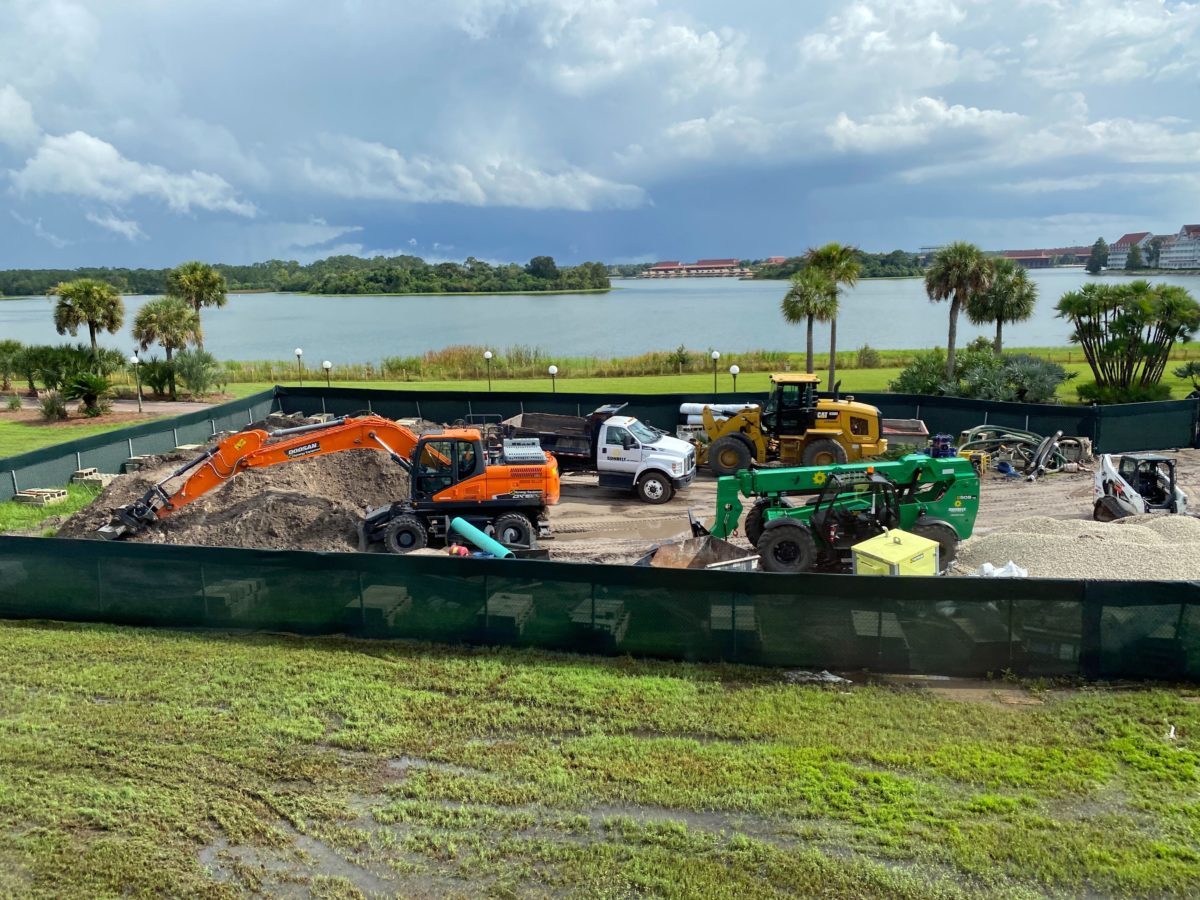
314,504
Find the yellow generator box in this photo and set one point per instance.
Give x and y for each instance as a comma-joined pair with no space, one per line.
896,552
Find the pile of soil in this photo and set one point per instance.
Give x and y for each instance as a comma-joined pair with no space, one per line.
309,504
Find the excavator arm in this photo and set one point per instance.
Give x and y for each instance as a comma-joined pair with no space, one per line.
257,448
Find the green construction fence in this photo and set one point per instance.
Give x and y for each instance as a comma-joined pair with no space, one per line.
968,627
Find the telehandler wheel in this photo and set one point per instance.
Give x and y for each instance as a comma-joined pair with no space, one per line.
753,529
787,547
825,452
515,530
404,534
944,534
655,487
728,455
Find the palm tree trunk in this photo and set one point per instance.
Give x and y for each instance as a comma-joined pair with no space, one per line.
199,332
809,367
92,335
170,374
952,337
832,351
998,346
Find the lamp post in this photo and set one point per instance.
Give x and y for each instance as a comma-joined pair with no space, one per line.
487,357
733,371
716,356
327,365
553,370
137,373
300,366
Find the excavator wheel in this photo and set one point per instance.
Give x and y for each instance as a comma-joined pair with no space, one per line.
825,452
514,530
944,534
787,547
728,455
404,534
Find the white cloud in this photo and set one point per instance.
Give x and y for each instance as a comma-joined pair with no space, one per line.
367,170
78,164
18,128
917,123
126,228
35,225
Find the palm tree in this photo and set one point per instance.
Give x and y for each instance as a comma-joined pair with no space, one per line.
840,265
1011,298
169,322
808,300
199,285
958,271
87,301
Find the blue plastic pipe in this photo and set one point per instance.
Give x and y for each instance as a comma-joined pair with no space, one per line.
479,539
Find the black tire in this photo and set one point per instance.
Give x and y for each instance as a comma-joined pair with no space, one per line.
514,530
755,521
404,534
655,487
728,455
944,534
787,547
825,452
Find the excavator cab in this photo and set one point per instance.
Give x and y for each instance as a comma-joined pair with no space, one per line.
442,462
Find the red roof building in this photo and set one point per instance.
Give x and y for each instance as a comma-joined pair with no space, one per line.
713,268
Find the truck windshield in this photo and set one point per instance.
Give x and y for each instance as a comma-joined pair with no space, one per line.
643,433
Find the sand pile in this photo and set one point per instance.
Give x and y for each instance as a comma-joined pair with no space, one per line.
310,504
1140,547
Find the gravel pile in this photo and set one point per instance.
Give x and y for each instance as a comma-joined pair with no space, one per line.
1140,547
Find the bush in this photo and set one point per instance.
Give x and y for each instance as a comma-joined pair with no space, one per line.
52,406
156,375
199,371
926,374
14,403
869,358
1094,393
982,375
90,389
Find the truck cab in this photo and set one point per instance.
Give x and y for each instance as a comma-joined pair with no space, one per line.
631,455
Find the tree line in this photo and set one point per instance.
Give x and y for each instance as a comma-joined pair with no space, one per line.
896,264
337,275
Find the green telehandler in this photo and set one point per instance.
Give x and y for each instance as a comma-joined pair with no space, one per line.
809,518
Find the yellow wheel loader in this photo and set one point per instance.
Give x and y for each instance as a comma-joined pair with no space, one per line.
796,428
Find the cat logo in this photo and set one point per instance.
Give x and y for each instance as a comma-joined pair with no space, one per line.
240,444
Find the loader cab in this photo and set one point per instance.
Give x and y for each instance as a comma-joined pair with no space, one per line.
792,404
442,460
1153,477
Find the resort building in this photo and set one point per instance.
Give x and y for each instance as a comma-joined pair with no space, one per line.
704,268
1045,258
1118,251
1182,250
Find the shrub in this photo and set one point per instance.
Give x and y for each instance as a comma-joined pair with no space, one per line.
90,389
1094,393
199,371
14,403
982,375
869,358
1191,371
679,357
156,375
926,374
52,406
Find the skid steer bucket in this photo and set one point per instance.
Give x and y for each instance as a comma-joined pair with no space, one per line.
701,553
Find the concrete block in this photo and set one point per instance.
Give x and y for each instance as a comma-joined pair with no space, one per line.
41,496
81,474
134,463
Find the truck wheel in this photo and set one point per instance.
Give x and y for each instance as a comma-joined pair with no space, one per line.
728,455
514,530
946,537
825,452
655,487
787,547
404,534
753,528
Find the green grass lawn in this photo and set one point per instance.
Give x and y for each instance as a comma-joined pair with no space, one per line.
23,517
138,762
21,437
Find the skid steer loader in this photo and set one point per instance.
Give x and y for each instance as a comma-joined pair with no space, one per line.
1137,483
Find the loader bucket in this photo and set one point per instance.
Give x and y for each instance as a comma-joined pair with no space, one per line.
700,553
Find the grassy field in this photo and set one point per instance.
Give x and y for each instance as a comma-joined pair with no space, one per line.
21,437
23,517
148,762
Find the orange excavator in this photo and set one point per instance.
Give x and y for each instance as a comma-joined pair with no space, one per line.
502,487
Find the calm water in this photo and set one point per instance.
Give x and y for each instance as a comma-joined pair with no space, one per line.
643,315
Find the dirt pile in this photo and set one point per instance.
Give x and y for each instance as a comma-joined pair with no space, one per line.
1141,547
310,504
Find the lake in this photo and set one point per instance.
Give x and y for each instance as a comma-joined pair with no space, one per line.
642,315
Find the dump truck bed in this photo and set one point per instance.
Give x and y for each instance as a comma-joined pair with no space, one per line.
566,437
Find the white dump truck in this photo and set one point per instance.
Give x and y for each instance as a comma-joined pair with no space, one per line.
626,453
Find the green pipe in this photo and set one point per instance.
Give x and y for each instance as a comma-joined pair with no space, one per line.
479,539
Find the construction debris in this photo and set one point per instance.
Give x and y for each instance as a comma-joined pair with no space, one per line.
41,496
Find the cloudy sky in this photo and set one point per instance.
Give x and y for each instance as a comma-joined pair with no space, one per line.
145,132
